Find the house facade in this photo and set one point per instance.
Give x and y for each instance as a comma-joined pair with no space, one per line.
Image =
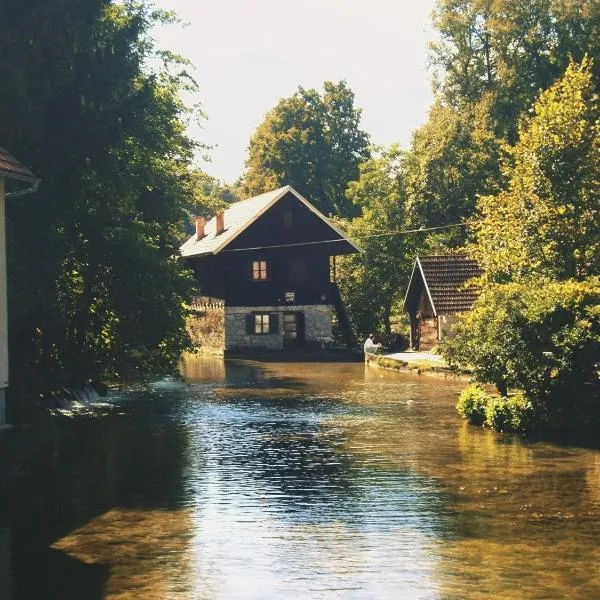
271,260
437,293
23,181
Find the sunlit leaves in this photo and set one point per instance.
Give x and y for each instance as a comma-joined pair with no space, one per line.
548,220
311,141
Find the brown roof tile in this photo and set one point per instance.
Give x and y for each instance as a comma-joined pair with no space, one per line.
445,276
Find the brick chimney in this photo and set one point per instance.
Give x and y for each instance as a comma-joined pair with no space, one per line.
200,223
220,223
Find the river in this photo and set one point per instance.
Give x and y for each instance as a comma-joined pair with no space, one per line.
293,480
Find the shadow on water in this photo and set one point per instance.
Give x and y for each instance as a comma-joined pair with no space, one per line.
89,464
301,480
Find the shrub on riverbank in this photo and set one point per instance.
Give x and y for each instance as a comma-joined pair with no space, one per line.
509,413
472,404
503,413
542,338
206,329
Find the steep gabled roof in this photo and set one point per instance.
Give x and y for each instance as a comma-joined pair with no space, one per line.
239,216
444,278
11,167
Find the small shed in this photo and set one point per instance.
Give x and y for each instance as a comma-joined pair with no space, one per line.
437,293
22,181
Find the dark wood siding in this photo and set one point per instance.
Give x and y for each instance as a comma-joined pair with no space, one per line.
270,229
301,269
303,272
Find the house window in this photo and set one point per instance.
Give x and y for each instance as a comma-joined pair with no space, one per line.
290,296
261,323
288,219
259,270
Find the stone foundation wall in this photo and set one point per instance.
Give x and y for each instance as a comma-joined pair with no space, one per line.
317,326
205,328
317,321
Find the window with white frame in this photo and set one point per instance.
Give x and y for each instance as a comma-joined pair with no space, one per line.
261,323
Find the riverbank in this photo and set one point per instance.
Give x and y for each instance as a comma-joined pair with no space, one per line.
414,362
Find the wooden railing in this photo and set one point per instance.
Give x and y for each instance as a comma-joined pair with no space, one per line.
203,303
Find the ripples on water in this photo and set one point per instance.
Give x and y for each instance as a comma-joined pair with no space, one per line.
302,481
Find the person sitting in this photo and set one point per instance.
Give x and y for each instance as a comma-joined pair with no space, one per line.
370,347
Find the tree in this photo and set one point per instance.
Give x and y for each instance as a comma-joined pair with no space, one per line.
99,289
454,158
547,221
536,325
510,49
312,142
539,337
373,282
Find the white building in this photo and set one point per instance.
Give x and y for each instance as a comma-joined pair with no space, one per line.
21,181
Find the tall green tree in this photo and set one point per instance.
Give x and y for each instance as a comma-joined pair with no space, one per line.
491,59
547,221
454,157
313,142
94,108
373,282
536,325
511,49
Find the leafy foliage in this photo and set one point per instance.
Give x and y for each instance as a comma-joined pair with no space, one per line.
491,60
507,50
373,282
472,404
312,142
546,222
539,337
454,158
509,413
88,102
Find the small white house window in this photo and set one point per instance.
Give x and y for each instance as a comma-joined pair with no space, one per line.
290,296
261,323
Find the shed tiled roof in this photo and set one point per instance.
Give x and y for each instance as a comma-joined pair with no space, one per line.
238,217
11,167
444,278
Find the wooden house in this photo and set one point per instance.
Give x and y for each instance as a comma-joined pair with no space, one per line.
437,292
22,182
271,260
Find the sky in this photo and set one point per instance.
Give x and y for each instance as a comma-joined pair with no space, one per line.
250,53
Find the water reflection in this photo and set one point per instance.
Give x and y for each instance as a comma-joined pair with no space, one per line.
257,480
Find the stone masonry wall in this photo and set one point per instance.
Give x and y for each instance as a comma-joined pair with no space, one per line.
317,323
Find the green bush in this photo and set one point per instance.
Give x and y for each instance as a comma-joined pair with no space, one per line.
508,413
541,337
472,404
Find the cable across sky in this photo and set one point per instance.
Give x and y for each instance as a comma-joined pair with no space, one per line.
360,237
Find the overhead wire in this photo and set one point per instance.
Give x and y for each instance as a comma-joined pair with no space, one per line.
358,237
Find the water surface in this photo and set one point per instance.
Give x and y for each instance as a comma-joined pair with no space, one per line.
253,480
